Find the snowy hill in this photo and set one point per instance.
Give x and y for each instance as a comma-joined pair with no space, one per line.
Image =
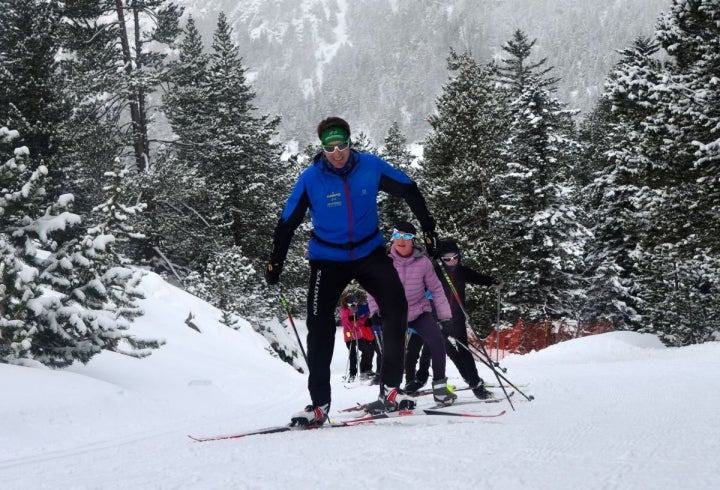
617,410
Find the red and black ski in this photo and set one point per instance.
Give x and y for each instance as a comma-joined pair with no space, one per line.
367,419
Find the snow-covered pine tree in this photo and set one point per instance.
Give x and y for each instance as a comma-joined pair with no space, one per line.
361,141
185,99
58,293
242,159
619,149
178,237
542,227
32,320
392,209
32,85
20,191
461,155
116,218
113,228
225,148
179,224
679,202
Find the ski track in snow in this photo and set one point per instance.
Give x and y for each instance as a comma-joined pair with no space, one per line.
587,428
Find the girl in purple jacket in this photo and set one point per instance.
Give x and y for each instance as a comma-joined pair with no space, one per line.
417,274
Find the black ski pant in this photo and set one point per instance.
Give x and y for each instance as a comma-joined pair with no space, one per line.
366,356
460,356
417,349
433,348
328,279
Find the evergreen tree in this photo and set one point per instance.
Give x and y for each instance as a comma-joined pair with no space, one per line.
186,96
209,189
663,168
540,223
461,151
679,200
62,298
363,143
21,191
617,143
392,209
31,82
241,159
518,73
689,35
461,156
179,226
178,236
224,164
30,79
116,218
230,283
132,34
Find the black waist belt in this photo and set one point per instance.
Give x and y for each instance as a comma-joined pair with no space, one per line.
348,245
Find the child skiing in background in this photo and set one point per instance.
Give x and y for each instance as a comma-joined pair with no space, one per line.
358,335
460,275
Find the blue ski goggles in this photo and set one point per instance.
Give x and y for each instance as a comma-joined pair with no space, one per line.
398,235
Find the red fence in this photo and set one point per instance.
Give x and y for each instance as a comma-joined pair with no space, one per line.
525,337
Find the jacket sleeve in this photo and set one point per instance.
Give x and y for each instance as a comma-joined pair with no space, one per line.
363,310
292,216
397,183
474,277
433,284
372,305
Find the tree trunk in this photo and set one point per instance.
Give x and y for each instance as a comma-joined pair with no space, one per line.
137,117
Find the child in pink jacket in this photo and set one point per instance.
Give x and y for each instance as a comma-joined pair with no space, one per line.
417,274
358,336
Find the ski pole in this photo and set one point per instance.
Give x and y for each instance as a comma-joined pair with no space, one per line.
497,329
377,331
292,323
356,343
347,367
448,280
480,354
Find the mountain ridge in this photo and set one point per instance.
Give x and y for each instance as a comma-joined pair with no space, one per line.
379,61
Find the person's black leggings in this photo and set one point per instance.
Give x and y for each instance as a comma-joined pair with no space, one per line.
328,279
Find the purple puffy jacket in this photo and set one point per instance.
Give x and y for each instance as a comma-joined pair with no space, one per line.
418,274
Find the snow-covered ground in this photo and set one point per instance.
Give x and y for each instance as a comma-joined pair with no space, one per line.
615,411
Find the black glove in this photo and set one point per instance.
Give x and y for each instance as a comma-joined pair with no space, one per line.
445,326
497,283
272,272
430,240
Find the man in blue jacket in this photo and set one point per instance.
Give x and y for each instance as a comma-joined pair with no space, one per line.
340,190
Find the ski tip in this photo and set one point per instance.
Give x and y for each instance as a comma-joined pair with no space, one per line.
197,439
